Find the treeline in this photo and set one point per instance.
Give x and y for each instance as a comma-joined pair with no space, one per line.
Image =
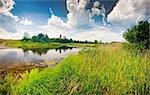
44,38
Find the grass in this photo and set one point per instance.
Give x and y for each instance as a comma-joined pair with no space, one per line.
30,45
107,69
37,45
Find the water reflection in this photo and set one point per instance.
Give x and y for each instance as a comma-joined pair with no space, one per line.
12,56
63,49
41,51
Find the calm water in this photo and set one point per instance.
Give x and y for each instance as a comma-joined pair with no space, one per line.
12,56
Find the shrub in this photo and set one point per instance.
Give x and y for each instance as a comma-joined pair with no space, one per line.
139,35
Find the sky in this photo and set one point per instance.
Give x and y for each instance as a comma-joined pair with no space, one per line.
40,8
91,20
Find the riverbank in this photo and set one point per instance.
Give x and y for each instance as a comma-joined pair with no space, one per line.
2,45
19,68
38,45
106,69
11,63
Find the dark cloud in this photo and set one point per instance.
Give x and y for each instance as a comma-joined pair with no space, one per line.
108,4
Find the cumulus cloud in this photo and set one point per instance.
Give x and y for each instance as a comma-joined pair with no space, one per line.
98,13
26,22
78,16
129,12
56,21
7,19
81,23
6,5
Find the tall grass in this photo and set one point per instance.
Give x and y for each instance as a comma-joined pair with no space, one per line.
108,70
6,85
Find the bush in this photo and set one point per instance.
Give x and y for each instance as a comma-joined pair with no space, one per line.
139,35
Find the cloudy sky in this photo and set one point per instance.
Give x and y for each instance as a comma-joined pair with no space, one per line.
104,20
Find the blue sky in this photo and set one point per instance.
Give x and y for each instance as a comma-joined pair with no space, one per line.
39,9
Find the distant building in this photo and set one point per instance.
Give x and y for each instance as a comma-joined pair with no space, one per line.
60,36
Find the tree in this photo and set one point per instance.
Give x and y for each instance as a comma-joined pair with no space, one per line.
26,37
96,42
100,42
34,39
139,34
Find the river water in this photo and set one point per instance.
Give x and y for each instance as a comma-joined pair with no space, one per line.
12,56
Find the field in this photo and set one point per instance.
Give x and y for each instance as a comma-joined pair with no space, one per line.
107,69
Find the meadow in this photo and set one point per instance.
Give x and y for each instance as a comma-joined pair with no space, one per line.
109,69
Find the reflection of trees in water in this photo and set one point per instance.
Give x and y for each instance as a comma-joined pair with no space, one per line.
63,48
26,53
38,51
41,51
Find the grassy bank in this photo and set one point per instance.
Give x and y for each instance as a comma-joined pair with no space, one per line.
29,45
108,69
38,45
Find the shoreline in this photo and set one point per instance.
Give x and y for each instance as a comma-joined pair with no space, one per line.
17,69
2,46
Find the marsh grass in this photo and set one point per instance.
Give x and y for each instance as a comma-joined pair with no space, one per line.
107,69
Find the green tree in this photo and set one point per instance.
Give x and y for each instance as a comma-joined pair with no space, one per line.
96,42
26,37
100,42
34,39
40,38
139,34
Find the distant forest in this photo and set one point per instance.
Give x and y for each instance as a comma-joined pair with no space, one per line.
44,38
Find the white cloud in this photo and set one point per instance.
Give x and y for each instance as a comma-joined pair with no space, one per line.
6,6
80,25
26,22
104,33
10,35
129,12
7,23
7,19
78,16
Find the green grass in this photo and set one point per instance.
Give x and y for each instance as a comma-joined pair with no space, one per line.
81,45
107,69
30,45
37,45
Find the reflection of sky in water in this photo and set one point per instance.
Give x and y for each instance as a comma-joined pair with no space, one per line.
10,56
